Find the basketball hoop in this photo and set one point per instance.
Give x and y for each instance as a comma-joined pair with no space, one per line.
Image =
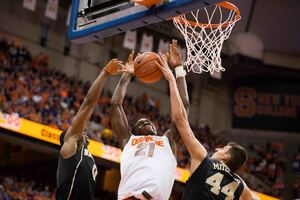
204,41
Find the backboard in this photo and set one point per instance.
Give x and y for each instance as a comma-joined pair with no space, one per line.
97,19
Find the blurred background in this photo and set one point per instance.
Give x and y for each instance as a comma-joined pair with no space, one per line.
44,78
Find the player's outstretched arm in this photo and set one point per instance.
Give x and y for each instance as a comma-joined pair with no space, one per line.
118,118
75,131
180,118
175,60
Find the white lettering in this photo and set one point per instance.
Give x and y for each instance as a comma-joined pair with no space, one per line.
220,166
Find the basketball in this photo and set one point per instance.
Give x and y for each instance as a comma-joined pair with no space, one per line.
146,69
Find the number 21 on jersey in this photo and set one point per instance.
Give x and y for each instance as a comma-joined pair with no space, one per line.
215,181
142,149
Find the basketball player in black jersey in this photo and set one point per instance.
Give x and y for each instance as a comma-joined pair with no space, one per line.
77,171
211,178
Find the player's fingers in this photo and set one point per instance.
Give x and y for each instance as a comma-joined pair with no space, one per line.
122,70
121,66
130,57
159,65
163,57
168,55
137,56
162,61
118,62
174,42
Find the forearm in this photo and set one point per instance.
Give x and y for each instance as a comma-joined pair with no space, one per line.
119,120
120,91
86,109
182,88
95,90
180,119
177,107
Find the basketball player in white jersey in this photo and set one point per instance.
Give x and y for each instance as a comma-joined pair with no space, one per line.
148,163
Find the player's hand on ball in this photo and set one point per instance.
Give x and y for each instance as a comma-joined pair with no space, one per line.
129,66
113,66
163,66
173,55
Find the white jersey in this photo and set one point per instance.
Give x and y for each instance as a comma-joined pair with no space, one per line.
147,164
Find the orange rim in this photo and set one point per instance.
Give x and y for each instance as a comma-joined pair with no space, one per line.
224,4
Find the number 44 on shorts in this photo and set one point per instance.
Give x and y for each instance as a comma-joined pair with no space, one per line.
215,181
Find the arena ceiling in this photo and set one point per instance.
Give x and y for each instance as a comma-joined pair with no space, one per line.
275,22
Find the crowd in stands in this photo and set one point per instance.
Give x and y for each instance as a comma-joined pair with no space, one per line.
13,188
266,163
296,169
33,91
296,161
21,189
297,189
23,183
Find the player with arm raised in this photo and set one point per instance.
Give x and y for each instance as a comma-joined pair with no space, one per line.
147,163
77,171
211,178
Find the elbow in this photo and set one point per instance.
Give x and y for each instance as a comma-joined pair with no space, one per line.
178,121
177,118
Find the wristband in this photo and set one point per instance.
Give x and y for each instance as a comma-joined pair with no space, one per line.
179,71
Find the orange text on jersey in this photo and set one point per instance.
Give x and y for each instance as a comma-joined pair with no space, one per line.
147,139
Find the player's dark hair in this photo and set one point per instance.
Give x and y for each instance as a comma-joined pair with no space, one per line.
238,156
61,137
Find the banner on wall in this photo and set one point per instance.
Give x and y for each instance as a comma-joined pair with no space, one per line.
130,40
266,104
29,4
147,43
47,134
163,46
52,9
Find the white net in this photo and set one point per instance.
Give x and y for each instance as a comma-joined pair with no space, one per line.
204,41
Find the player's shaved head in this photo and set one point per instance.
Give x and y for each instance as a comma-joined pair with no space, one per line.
143,126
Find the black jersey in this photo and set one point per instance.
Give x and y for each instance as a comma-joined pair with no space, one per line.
213,180
76,176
